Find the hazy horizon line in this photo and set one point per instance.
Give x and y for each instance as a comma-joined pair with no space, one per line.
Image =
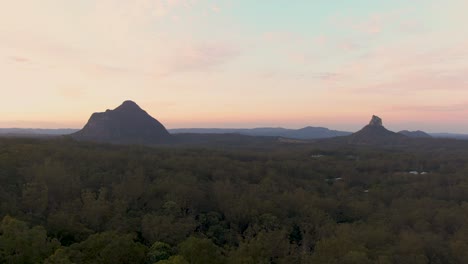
249,128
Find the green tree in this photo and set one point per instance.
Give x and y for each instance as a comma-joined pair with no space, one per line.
21,244
265,248
60,256
103,248
158,251
35,198
166,228
200,251
174,260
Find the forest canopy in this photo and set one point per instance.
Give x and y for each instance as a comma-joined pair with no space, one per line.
67,202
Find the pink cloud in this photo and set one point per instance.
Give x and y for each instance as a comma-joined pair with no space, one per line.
417,81
18,59
400,67
461,107
71,92
298,57
197,57
373,25
328,76
283,37
349,46
304,75
216,9
376,23
320,40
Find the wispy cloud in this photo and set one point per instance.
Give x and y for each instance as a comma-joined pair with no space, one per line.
216,8
460,107
328,76
407,67
374,25
421,81
283,37
191,57
322,77
18,59
71,92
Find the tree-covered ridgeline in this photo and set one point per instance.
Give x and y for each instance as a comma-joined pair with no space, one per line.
67,202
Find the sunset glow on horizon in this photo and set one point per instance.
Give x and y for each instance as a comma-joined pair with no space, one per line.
237,63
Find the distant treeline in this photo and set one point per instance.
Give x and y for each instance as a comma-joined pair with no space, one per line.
303,133
37,131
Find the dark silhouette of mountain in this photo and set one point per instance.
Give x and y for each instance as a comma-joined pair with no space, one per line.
375,134
127,124
303,133
415,134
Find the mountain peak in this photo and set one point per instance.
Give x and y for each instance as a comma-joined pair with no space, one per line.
376,121
129,102
127,123
128,105
376,134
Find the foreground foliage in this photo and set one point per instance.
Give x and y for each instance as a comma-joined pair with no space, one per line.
68,202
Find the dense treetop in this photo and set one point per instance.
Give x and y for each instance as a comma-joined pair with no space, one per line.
63,201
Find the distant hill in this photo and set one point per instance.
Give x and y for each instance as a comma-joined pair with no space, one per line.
126,124
374,134
303,133
450,135
231,140
415,134
37,131
129,124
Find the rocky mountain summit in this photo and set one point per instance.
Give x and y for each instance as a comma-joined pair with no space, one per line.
376,121
375,134
126,124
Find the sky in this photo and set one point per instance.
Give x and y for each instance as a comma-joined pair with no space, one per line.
237,63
